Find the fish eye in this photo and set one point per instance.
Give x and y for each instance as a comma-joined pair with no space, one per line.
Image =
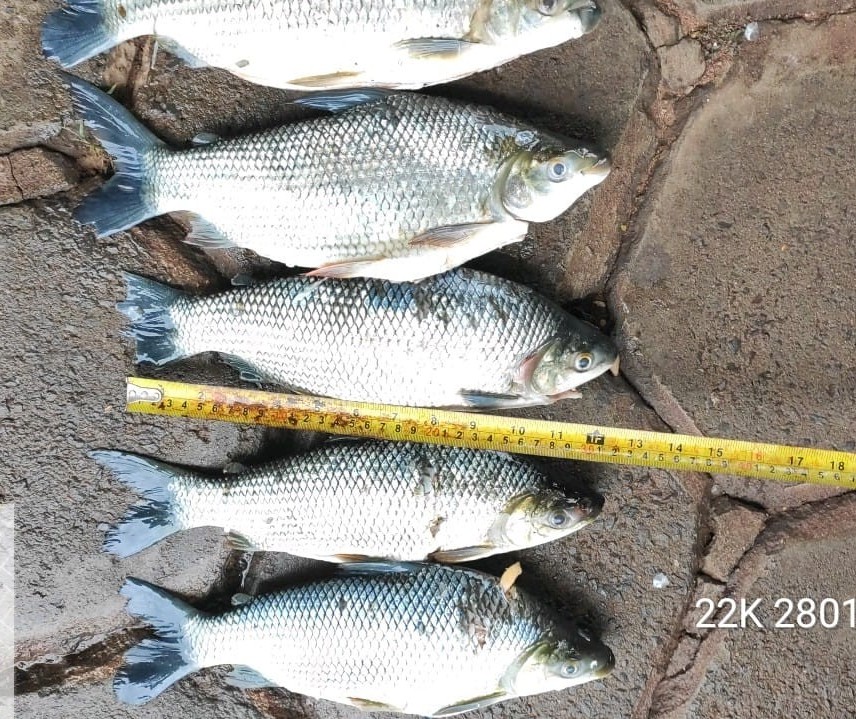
583,361
569,669
557,171
547,7
558,518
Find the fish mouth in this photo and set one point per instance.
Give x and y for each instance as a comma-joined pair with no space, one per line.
613,368
599,169
603,666
589,14
586,510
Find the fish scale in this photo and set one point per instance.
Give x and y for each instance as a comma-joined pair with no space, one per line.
435,166
403,638
413,344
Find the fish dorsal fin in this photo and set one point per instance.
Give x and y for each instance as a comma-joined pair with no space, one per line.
245,677
341,100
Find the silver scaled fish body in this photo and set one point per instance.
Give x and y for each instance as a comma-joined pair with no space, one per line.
461,339
325,45
415,638
396,186
350,501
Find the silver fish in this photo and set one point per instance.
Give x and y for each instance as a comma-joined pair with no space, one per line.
349,501
461,339
414,638
391,186
325,45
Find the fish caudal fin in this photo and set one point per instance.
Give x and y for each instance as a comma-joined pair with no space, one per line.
154,664
76,32
147,304
121,202
149,520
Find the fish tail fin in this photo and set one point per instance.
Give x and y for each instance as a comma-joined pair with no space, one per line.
149,520
121,202
147,305
76,32
155,664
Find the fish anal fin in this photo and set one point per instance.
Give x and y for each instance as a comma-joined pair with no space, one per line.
331,81
370,705
204,233
434,48
347,558
342,270
470,704
239,542
341,100
497,400
462,554
245,677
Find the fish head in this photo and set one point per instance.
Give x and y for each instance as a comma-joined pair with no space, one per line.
546,514
544,180
568,361
536,24
552,664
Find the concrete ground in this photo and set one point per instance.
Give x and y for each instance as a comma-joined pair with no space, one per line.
721,252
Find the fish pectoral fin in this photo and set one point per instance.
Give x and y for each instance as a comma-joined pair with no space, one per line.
330,81
247,372
497,400
370,705
245,677
470,704
204,233
434,48
450,235
339,101
239,542
464,554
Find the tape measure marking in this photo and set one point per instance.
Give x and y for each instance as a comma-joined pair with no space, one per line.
613,445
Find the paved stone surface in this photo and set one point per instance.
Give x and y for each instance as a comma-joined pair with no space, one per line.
722,242
63,338
739,297
795,672
201,696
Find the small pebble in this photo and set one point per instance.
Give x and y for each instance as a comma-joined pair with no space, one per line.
661,581
752,32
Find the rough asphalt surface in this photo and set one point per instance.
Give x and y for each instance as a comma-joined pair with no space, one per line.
721,252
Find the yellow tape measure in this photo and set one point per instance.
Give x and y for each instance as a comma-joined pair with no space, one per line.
593,443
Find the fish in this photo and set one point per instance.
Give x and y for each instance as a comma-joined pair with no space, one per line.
424,639
297,45
462,339
393,186
355,501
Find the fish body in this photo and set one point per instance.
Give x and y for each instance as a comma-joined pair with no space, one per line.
347,500
325,45
463,339
414,638
395,186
